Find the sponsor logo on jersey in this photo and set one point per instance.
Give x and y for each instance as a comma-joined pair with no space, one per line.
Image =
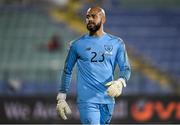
89,48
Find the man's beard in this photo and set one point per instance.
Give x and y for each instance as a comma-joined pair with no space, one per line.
93,27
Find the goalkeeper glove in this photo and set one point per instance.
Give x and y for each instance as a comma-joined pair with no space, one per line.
62,106
115,87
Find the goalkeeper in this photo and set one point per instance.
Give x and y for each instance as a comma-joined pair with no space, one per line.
96,55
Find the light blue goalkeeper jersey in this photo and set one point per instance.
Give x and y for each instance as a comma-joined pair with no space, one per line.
96,59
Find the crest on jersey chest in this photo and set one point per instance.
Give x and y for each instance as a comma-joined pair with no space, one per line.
108,49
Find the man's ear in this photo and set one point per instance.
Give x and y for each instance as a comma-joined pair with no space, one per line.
103,19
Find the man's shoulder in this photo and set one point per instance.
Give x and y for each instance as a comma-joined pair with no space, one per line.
113,37
75,41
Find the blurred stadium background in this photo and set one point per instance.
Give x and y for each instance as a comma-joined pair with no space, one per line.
34,37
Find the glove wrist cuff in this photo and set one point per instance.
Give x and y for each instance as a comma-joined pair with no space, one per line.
61,96
122,81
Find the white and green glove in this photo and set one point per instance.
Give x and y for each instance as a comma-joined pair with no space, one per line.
115,87
62,106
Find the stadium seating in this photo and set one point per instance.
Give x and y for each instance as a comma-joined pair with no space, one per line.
22,33
153,33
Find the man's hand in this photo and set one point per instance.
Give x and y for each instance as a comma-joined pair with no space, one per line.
115,87
62,106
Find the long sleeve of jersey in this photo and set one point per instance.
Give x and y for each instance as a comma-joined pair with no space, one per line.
67,72
123,62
